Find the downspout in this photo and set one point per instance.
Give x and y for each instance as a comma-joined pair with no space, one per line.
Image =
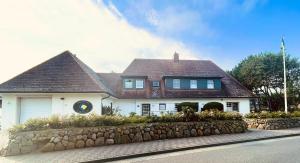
102,101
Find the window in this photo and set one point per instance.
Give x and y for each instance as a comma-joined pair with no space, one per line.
228,104
82,107
0,103
128,83
235,106
155,84
162,106
176,83
210,84
145,109
232,106
193,84
139,83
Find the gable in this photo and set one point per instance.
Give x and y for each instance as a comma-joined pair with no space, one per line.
62,73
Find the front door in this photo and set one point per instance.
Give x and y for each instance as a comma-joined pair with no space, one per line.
145,109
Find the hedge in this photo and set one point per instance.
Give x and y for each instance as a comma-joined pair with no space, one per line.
279,114
93,120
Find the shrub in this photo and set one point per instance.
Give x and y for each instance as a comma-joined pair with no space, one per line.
193,105
188,114
92,120
213,105
218,115
278,114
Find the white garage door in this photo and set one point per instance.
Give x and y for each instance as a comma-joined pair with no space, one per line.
34,108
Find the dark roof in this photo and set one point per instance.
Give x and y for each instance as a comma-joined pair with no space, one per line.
158,68
65,73
62,73
112,81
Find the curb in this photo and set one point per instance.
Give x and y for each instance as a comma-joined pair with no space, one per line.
188,148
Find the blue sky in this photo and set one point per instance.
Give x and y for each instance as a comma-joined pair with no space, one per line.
222,30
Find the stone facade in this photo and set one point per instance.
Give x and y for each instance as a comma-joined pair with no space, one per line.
273,123
70,138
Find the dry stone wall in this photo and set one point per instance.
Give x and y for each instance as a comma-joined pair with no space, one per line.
273,123
70,138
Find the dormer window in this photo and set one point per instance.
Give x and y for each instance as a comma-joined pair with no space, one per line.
139,83
193,84
210,84
155,84
128,83
176,83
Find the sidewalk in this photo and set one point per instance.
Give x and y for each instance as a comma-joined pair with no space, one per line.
106,153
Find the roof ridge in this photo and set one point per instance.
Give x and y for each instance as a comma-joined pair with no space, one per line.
172,59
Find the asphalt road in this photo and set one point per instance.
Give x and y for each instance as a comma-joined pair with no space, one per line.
284,150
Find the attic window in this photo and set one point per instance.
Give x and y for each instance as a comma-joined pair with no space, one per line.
155,84
193,84
139,83
210,84
176,83
128,83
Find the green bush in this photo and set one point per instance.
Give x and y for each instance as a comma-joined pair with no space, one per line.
92,120
213,106
193,105
188,114
218,115
278,114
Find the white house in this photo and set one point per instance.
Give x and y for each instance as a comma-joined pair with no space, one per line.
65,85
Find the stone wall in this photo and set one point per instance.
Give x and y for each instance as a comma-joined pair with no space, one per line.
70,138
273,123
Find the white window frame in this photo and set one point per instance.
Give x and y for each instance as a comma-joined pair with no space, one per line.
193,84
229,104
155,85
210,84
147,110
128,83
162,106
139,83
176,83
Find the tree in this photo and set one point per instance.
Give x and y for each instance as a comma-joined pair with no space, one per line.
263,74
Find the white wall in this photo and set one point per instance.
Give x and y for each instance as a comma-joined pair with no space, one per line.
127,106
62,104
9,111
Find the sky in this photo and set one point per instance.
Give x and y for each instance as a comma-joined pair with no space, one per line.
107,35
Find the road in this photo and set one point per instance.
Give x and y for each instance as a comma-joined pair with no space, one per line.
284,150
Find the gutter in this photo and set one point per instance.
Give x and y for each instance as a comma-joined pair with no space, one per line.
104,99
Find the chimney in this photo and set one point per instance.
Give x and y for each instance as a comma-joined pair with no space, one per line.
176,57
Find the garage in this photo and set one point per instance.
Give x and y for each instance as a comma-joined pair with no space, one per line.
34,108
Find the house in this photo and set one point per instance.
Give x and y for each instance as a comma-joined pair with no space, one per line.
65,85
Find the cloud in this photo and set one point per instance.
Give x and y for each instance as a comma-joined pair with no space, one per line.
35,30
174,20
248,5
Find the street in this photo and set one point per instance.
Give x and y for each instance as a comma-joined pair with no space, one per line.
284,150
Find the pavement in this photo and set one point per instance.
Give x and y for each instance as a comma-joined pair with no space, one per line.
267,151
125,151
